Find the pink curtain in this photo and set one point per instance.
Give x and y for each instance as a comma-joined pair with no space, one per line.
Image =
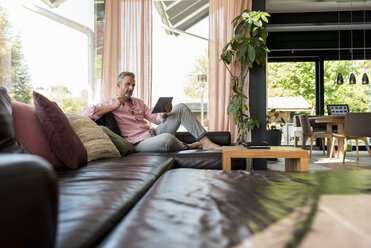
128,43
221,14
111,49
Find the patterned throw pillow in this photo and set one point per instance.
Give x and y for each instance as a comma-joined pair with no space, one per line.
96,142
62,139
121,144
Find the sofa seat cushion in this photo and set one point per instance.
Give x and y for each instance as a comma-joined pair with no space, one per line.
94,198
208,208
200,159
205,208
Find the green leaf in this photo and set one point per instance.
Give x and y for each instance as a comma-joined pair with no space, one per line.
251,52
264,18
241,53
225,48
229,57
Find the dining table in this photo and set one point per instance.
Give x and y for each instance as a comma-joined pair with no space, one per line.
330,121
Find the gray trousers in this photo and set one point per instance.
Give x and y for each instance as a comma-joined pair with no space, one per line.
163,140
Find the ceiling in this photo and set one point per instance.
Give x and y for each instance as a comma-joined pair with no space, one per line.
297,28
183,14
287,6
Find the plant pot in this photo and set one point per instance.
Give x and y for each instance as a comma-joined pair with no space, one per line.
273,137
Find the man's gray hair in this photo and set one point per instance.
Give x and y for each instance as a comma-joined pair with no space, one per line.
124,74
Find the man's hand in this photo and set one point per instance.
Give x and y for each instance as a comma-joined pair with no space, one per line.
121,100
117,103
168,108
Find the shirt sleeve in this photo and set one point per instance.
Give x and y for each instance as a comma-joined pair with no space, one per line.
90,111
154,118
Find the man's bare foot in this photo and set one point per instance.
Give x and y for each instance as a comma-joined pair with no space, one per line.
195,145
207,144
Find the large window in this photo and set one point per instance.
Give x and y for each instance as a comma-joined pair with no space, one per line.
178,63
355,95
291,90
46,49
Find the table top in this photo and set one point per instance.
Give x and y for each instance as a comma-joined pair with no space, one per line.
328,118
273,152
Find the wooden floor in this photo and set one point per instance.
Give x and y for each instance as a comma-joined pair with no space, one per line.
320,162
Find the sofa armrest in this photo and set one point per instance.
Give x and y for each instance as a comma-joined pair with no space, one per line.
29,201
222,138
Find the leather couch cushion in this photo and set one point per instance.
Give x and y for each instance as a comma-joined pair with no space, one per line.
95,140
121,143
200,159
30,133
94,198
222,138
29,201
204,208
63,140
8,143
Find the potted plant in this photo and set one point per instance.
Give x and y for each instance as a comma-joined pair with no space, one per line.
246,48
274,122
278,123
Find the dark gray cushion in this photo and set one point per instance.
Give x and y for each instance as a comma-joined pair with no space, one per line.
109,121
8,144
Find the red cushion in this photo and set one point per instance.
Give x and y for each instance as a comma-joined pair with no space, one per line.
30,133
63,140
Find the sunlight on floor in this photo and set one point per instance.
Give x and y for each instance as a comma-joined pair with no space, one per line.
320,162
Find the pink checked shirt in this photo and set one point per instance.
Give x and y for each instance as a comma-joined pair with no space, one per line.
132,123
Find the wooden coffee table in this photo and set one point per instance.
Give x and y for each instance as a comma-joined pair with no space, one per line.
296,159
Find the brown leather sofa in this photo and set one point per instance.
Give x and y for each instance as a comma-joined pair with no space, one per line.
144,201
78,208
179,199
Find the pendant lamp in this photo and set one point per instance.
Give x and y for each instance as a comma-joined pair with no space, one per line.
365,80
339,78
352,77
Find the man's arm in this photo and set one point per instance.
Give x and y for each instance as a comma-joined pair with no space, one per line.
98,111
106,109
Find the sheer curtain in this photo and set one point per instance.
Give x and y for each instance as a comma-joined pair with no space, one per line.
221,14
128,46
111,49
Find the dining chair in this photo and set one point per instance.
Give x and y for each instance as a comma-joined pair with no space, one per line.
308,133
298,133
356,126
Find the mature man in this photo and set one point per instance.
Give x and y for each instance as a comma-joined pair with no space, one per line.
131,114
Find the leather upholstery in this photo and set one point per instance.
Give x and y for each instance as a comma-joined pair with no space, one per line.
8,144
28,208
222,138
200,159
94,198
208,208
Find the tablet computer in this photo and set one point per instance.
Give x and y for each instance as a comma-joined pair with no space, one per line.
160,105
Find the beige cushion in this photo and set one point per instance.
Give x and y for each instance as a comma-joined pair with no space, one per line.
96,141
